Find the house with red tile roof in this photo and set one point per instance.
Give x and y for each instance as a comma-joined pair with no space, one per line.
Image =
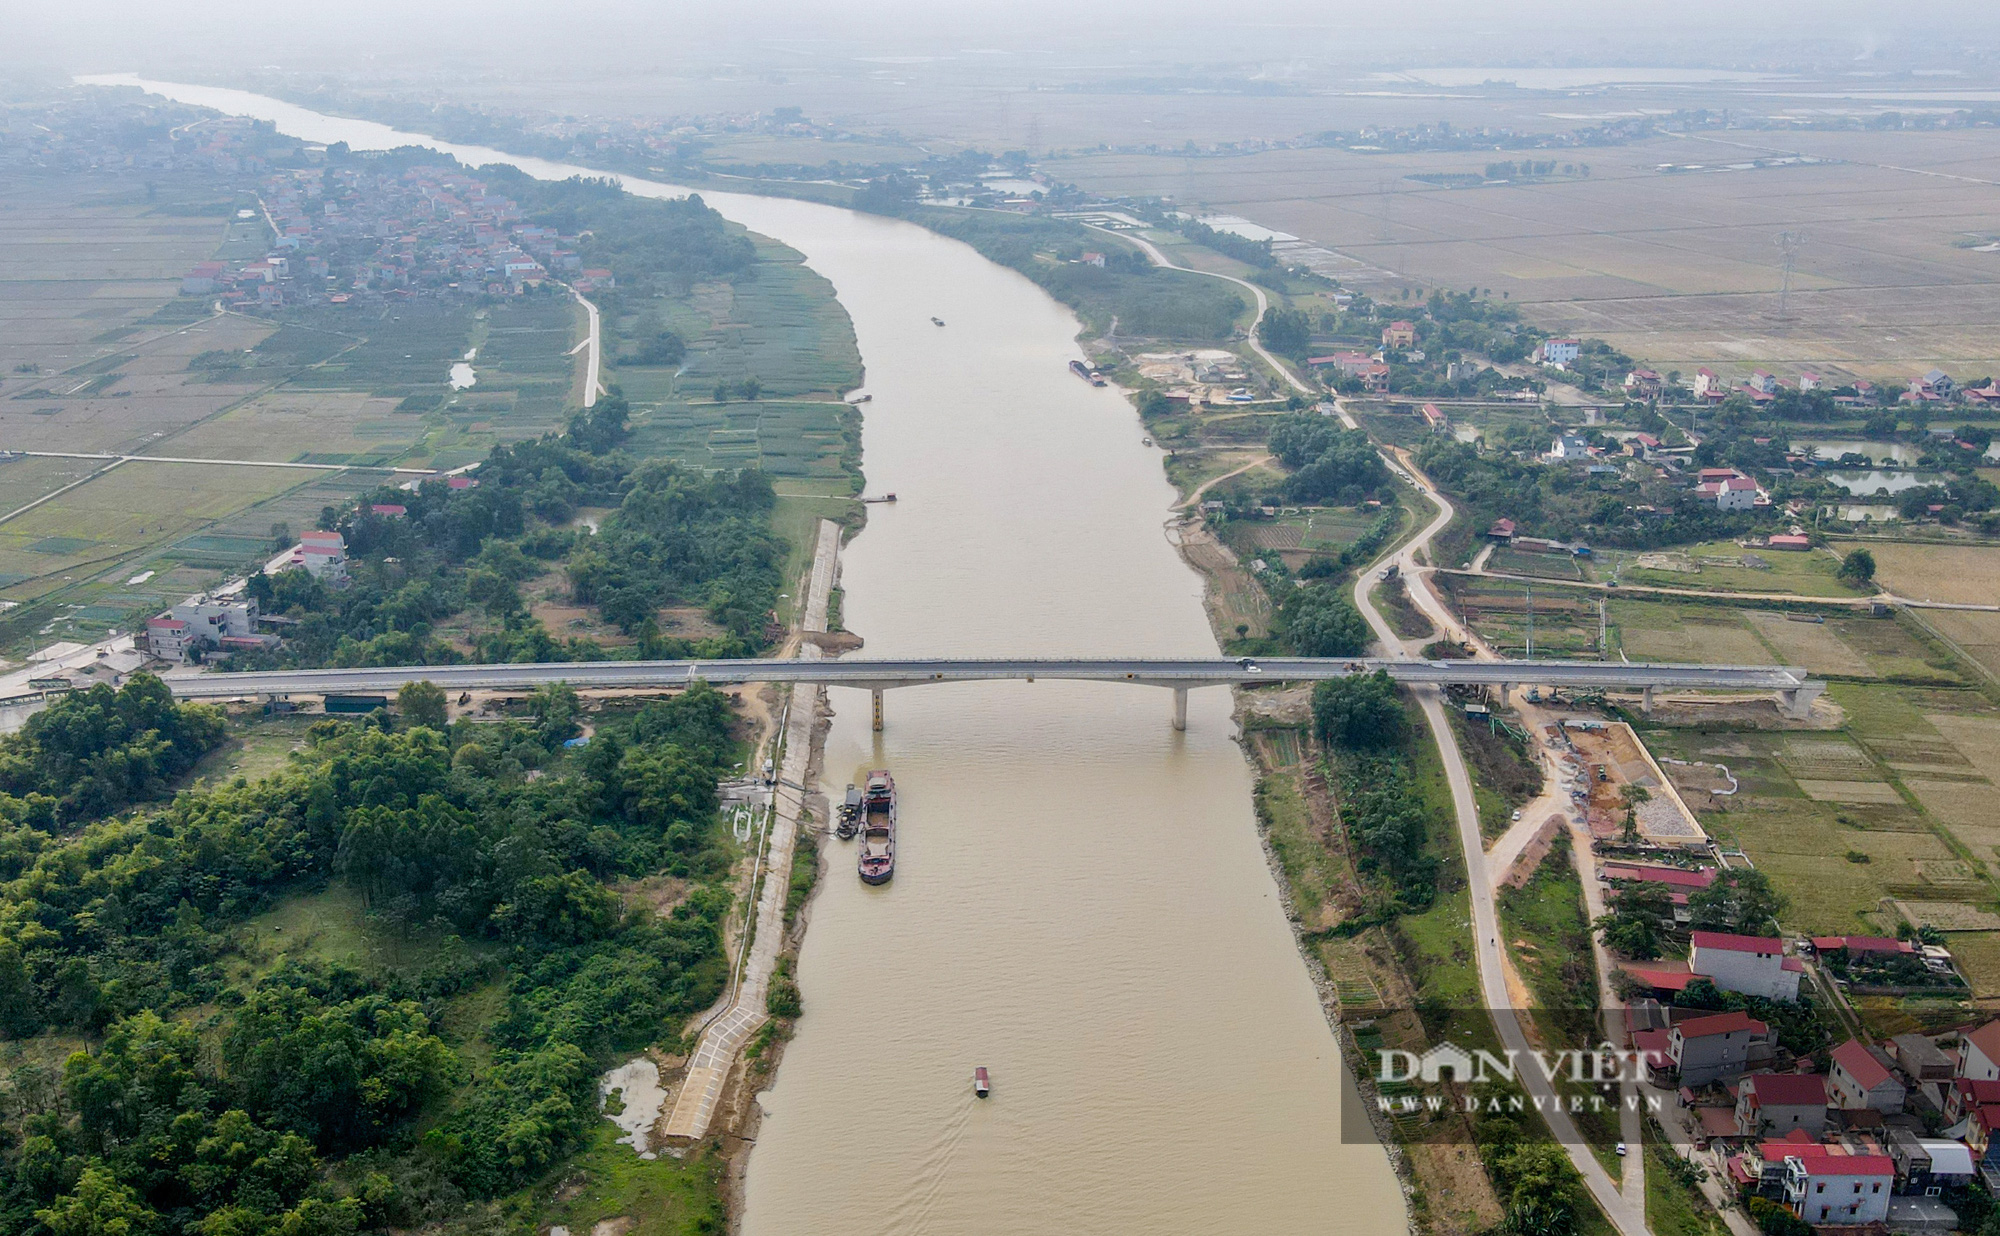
1717,1047
1748,965
1860,1079
1774,1104
1979,1056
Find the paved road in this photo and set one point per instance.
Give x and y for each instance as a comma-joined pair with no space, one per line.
1627,1210
592,340
887,674
230,463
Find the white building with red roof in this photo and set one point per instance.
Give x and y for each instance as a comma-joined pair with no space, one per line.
1748,965
1979,1053
1835,1186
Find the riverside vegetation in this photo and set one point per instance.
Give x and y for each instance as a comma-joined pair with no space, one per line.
212,1088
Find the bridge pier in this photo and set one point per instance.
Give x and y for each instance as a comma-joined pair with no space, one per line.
877,693
1180,708
1646,702
1797,702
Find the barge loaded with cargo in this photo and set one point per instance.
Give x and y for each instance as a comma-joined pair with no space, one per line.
877,860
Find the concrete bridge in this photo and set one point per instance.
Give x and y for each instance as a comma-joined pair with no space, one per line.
1792,687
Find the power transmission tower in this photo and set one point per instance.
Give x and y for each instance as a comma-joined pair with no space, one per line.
1789,244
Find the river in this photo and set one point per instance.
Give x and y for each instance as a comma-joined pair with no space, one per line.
1081,902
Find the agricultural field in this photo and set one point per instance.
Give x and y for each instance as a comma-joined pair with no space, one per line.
1975,635
1298,533
1955,573
784,438
139,395
1678,269
1725,566
137,368
783,328
1861,828
89,259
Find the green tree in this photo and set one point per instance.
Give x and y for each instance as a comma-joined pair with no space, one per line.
602,426
1740,900
1319,621
422,703
1858,567
1288,332
1361,712
99,1206
1632,925
751,388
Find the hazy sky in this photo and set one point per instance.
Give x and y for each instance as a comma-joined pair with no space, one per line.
571,36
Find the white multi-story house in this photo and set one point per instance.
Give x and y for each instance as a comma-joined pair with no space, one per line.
1749,965
1561,353
1719,1047
204,622
1828,1186
1773,1104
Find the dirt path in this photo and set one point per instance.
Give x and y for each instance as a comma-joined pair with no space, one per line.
1213,481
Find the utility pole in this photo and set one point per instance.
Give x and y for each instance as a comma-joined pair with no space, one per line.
1789,244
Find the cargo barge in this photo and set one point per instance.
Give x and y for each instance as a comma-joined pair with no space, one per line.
877,860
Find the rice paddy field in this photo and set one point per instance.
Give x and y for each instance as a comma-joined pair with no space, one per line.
115,361
88,259
1678,268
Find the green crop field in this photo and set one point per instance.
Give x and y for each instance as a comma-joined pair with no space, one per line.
783,438
1725,566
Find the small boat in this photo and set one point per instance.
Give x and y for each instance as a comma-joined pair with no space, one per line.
850,815
861,399
937,321
877,859
1147,441
981,1084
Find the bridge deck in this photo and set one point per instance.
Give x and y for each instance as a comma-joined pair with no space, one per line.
886,674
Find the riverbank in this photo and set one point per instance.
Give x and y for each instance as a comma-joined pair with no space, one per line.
986,949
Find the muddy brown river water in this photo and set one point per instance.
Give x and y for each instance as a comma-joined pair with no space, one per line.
1081,903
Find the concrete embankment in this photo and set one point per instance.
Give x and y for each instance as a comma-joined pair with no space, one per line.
723,1039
